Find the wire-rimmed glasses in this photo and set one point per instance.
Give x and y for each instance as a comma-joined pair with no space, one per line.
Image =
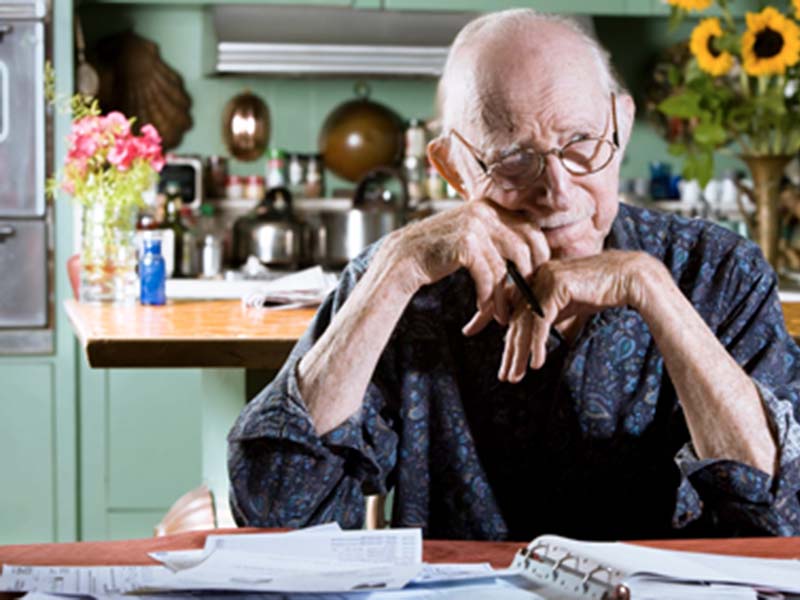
520,169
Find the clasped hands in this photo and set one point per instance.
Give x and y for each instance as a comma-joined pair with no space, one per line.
480,236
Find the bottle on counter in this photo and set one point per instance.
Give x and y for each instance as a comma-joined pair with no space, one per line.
152,271
174,230
414,162
209,244
296,181
190,258
276,168
313,182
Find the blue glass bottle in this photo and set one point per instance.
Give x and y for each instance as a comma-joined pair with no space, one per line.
152,274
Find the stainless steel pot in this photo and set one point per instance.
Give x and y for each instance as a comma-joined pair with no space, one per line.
340,235
271,233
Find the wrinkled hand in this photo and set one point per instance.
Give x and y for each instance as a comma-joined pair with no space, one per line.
569,288
480,236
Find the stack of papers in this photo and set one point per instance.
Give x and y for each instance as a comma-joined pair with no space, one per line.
315,563
304,288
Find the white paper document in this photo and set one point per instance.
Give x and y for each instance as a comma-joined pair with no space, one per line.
324,559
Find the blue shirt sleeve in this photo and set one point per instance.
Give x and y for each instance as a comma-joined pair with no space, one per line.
738,497
282,474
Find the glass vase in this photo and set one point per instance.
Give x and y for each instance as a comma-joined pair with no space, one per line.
767,172
108,253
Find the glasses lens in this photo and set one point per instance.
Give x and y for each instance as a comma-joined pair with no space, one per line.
582,157
518,169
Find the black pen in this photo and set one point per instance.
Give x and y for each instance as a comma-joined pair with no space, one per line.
527,294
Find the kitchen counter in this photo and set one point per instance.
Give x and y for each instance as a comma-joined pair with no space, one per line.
219,333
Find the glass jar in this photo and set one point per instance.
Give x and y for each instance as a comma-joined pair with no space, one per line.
108,252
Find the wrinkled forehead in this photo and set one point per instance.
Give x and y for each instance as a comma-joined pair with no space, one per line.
508,87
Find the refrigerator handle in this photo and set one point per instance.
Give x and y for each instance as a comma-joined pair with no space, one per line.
4,102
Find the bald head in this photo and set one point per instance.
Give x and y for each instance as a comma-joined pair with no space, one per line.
505,59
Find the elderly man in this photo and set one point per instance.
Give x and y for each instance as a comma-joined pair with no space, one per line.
656,397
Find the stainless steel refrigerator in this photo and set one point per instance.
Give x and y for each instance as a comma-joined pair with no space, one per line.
24,219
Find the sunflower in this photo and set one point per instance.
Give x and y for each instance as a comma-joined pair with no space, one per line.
796,4
691,4
701,44
770,44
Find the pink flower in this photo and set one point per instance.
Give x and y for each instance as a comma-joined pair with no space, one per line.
150,147
87,126
123,153
117,123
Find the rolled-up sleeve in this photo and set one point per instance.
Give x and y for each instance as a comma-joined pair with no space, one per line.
736,497
282,474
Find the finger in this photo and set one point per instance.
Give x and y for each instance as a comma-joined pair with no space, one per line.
540,331
483,277
500,299
522,345
505,361
508,348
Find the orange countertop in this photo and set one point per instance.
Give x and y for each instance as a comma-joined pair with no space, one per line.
218,333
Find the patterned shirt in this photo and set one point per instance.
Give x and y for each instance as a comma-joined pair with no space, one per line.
593,445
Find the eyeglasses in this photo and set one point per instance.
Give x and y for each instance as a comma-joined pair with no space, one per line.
582,156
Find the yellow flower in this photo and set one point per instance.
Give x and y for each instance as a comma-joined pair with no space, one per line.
701,44
691,4
796,8
770,44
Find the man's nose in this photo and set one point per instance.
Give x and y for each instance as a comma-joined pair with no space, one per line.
552,189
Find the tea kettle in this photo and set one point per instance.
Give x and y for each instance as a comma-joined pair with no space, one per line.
271,233
340,235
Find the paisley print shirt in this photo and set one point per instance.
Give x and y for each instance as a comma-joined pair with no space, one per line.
593,445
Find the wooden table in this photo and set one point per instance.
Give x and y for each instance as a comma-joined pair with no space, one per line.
219,333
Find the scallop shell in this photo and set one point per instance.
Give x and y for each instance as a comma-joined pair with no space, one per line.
136,81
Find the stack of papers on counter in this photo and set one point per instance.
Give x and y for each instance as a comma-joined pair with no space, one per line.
302,288
318,562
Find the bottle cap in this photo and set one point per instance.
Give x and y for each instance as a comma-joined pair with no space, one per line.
172,188
152,244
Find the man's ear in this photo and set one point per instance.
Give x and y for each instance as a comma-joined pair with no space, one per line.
439,153
626,113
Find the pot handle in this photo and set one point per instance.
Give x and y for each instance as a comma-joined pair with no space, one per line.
376,174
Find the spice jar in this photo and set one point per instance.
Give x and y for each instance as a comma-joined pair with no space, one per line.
234,187
254,188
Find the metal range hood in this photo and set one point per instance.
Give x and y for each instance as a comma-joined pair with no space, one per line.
282,40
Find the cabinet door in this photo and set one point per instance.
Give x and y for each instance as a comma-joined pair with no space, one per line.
27,445
154,434
140,447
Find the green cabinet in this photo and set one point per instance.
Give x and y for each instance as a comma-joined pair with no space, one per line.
148,436
27,445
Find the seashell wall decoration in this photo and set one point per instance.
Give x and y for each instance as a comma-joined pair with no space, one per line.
136,81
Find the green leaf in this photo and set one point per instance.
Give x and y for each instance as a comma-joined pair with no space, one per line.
684,105
710,134
673,75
